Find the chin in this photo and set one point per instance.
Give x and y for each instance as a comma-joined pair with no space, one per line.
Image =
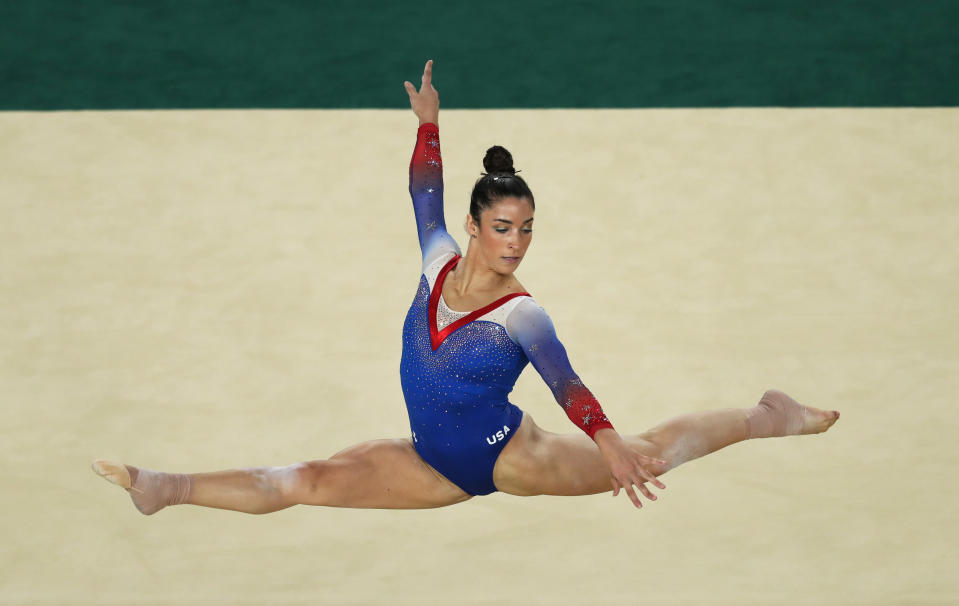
510,266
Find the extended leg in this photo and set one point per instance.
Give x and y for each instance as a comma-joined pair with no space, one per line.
385,474
540,462
693,435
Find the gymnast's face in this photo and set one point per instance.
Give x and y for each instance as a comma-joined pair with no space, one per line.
504,233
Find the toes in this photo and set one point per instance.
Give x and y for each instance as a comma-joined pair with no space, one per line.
829,419
113,472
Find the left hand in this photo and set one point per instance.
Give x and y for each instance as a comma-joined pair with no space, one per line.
627,468
426,102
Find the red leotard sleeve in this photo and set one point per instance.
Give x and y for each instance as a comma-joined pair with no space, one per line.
426,189
530,327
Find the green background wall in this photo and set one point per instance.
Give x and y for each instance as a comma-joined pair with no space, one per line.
498,53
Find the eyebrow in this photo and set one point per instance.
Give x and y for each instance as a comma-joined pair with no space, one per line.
510,222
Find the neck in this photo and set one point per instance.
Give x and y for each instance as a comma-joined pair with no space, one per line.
473,275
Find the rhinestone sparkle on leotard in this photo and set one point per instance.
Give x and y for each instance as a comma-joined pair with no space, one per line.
446,316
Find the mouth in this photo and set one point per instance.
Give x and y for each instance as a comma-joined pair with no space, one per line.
511,259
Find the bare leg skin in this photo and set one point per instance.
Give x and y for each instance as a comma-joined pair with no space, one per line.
536,461
383,474
388,474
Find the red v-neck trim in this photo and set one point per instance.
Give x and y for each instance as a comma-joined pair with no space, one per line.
438,336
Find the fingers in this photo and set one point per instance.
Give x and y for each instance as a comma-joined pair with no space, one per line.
645,490
633,497
428,73
635,480
427,80
628,483
636,474
650,476
627,487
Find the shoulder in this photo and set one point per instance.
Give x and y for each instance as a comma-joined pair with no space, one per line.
439,252
528,320
434,265
527,306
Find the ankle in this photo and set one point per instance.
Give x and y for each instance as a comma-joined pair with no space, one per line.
154,490
775,415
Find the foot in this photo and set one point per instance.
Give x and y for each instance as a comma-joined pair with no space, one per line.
151,491
777,414
818,421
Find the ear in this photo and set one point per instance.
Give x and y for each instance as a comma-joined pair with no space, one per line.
472,229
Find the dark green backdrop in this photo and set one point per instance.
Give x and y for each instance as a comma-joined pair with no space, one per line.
536,53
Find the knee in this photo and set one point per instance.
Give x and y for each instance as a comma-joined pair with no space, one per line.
301,483
659,469
679,450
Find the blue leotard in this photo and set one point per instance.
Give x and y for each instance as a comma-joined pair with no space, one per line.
458,367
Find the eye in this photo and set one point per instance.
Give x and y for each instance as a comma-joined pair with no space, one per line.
529,231
502,230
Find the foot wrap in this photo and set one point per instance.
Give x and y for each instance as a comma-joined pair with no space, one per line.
150,490
776,415
153,490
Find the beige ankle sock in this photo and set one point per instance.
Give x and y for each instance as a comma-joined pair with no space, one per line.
776,415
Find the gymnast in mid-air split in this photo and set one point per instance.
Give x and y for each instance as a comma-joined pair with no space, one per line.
469,332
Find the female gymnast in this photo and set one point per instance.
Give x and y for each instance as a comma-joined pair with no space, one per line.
456,371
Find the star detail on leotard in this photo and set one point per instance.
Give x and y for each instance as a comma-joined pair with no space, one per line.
533,347
431,225
587,418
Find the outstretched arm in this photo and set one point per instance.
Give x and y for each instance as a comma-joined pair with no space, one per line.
426,172
530,327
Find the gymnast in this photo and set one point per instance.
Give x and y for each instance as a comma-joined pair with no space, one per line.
469,332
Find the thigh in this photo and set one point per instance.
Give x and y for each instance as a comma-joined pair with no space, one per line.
381,474
536,461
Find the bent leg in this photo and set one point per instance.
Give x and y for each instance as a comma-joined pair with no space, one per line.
385,474
536,461
540,462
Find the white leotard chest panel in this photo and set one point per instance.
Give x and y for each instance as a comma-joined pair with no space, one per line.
446,316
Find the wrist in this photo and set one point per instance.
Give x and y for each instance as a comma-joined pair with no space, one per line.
606,436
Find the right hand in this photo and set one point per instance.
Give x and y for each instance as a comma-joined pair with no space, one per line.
426,102
628,468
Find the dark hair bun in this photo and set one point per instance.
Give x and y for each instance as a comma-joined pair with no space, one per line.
498,160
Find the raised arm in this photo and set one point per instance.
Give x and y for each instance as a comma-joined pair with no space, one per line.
426,173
